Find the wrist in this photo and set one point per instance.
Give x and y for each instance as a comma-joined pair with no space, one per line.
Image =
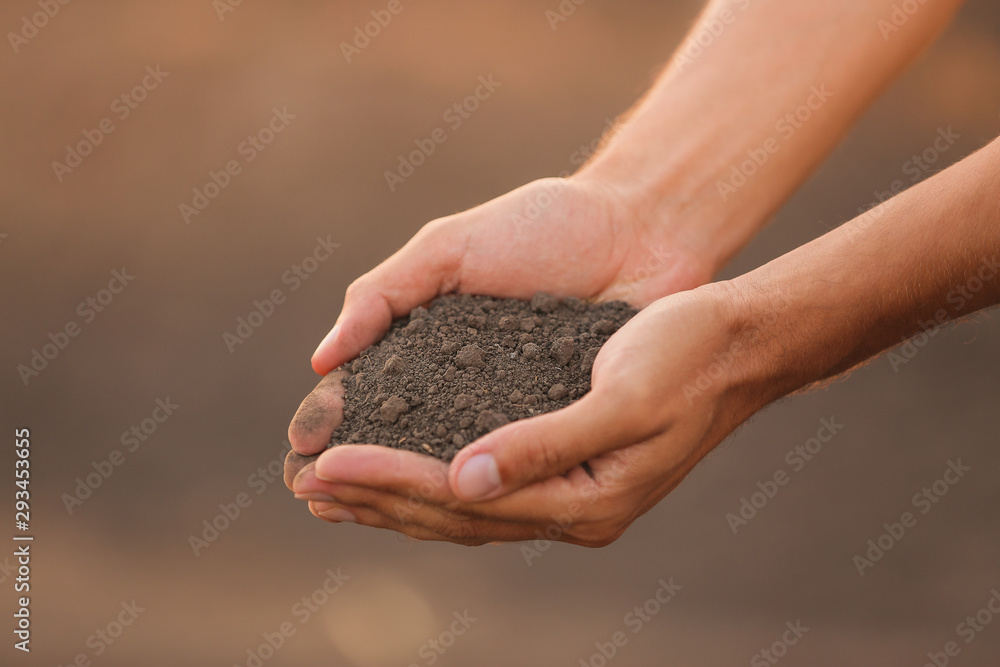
762,356
678,195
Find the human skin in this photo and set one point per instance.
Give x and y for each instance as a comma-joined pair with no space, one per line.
804,317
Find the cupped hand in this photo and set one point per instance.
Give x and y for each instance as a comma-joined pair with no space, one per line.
566,236
666,389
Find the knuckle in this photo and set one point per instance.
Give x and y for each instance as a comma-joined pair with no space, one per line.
437,226
352,290
427,234
433,226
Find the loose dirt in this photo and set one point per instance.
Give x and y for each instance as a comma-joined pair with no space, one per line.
466,365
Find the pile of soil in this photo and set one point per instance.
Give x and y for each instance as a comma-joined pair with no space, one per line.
466,365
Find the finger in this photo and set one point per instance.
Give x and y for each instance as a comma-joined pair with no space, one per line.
424,268
328,512
407,476
395,470
436,519
468,532
374,519
318,416
294,464
542,447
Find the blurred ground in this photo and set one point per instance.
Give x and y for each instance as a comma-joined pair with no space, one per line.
323,176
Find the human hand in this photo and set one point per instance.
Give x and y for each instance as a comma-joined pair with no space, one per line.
644,425
570,236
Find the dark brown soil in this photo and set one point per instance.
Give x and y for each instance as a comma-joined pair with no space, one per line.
466,365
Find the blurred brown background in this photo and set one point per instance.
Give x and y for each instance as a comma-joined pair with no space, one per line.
323,175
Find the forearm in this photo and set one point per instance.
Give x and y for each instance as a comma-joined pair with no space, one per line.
925,257
757,94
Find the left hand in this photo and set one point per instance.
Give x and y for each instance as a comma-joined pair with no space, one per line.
644,425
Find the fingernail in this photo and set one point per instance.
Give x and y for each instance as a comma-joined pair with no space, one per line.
479,477
323,470
339,514
330,337
318,497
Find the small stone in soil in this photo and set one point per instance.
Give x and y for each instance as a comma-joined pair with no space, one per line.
466,365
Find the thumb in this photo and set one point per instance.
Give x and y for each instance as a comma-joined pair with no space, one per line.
419,271
542,447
